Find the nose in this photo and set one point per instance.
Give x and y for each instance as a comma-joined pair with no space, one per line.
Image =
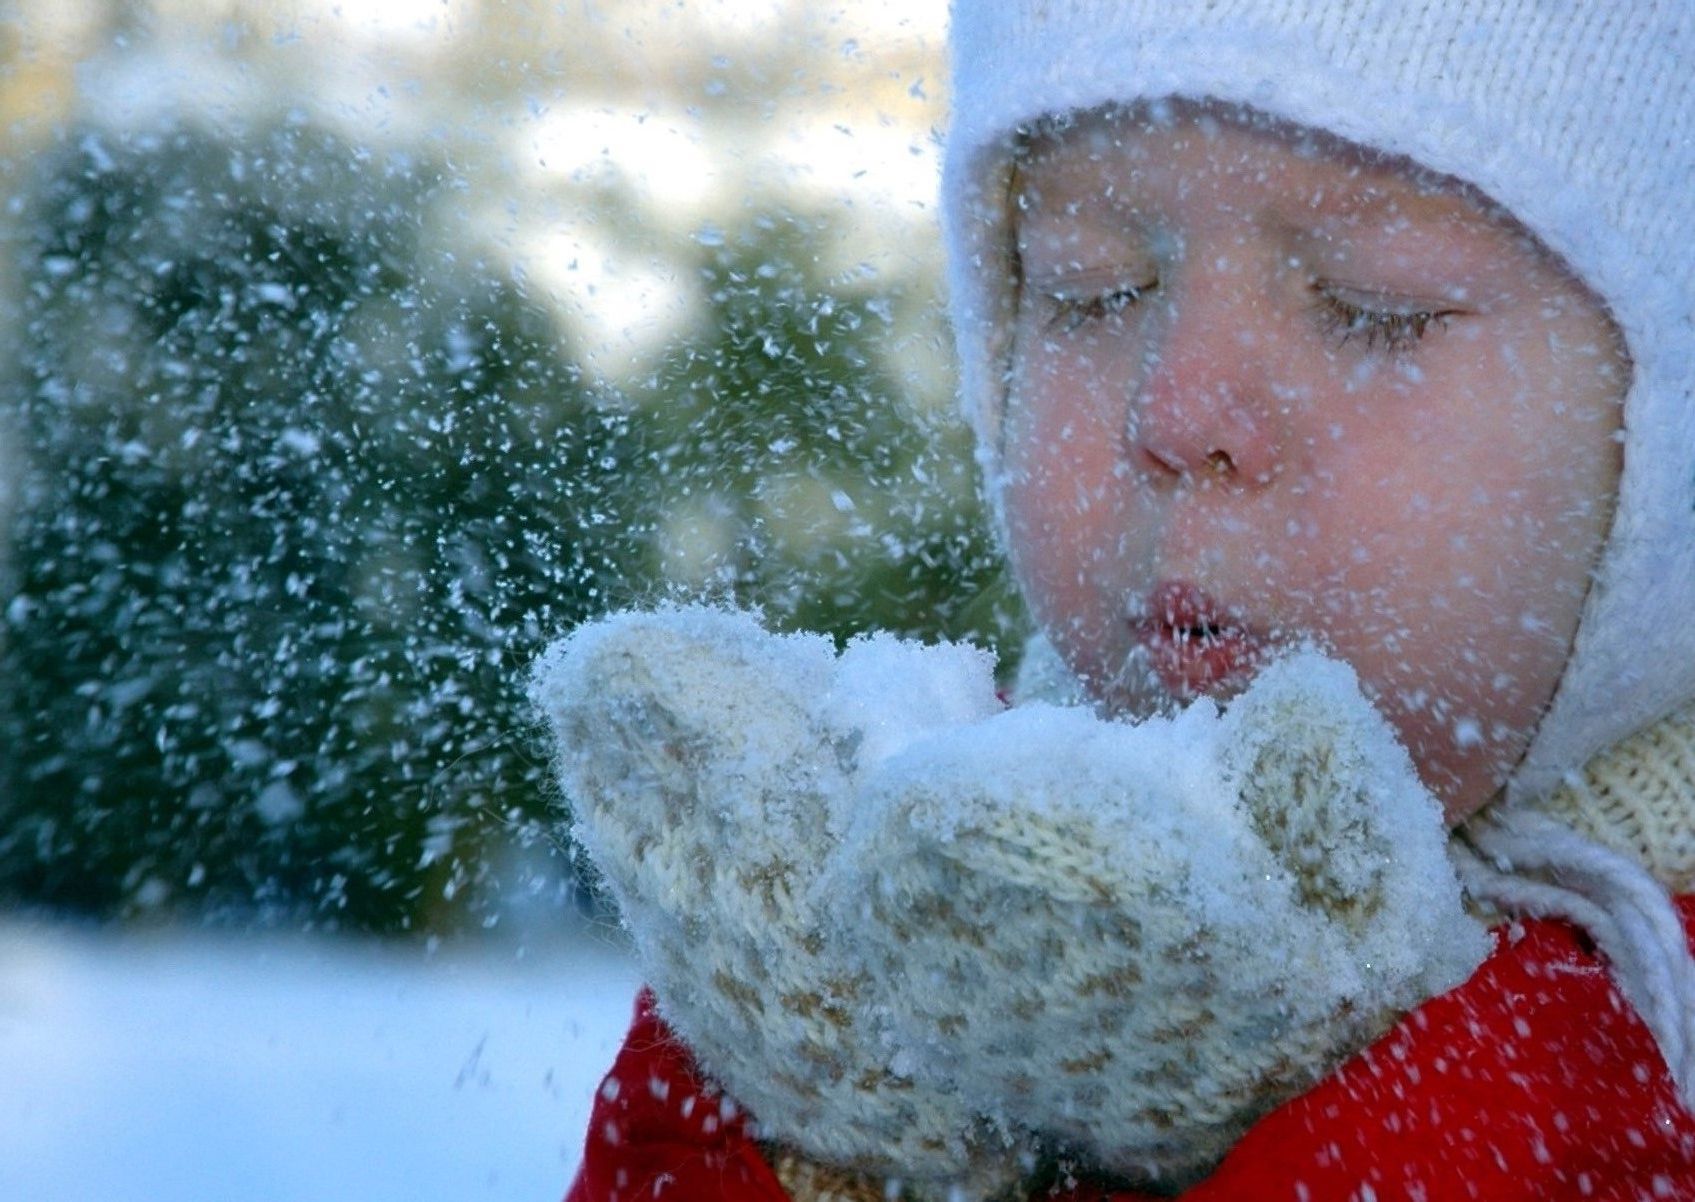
1202,406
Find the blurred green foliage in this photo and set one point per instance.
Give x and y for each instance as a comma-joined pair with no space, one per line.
307,485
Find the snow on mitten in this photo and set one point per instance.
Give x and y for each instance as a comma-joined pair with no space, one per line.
711,766
1135,940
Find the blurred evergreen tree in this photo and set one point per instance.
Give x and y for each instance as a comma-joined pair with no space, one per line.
308,487
304,494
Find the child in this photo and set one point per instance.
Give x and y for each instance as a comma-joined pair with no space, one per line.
1364,325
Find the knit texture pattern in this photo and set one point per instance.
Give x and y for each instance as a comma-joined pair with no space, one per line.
923,938
1638,798
1577,116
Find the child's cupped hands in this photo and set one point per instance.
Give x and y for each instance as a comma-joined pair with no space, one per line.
924,936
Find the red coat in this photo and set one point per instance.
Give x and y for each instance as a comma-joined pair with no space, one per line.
1533,1081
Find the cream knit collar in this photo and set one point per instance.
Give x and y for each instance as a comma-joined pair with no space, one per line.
1638,798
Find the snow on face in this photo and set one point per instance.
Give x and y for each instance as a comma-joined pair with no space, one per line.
1266,388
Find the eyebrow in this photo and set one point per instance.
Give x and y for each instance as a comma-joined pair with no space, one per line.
1379,179
1110,213
1351,200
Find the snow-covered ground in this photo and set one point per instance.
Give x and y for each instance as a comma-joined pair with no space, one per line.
268,1069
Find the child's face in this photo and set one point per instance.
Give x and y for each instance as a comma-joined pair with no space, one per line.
1266,391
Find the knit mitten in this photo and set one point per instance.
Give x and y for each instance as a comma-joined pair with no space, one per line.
711,768
1135,940
925,937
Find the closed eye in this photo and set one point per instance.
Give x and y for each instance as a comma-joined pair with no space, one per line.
1072,311
1377,323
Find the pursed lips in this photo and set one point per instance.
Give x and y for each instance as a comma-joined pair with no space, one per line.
1194,644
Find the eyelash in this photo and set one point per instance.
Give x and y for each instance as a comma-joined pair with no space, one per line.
1392,333
1073,312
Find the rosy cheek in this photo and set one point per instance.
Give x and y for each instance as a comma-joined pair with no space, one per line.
1046,533
1059,486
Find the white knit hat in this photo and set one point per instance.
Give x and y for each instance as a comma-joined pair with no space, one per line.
1577,115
